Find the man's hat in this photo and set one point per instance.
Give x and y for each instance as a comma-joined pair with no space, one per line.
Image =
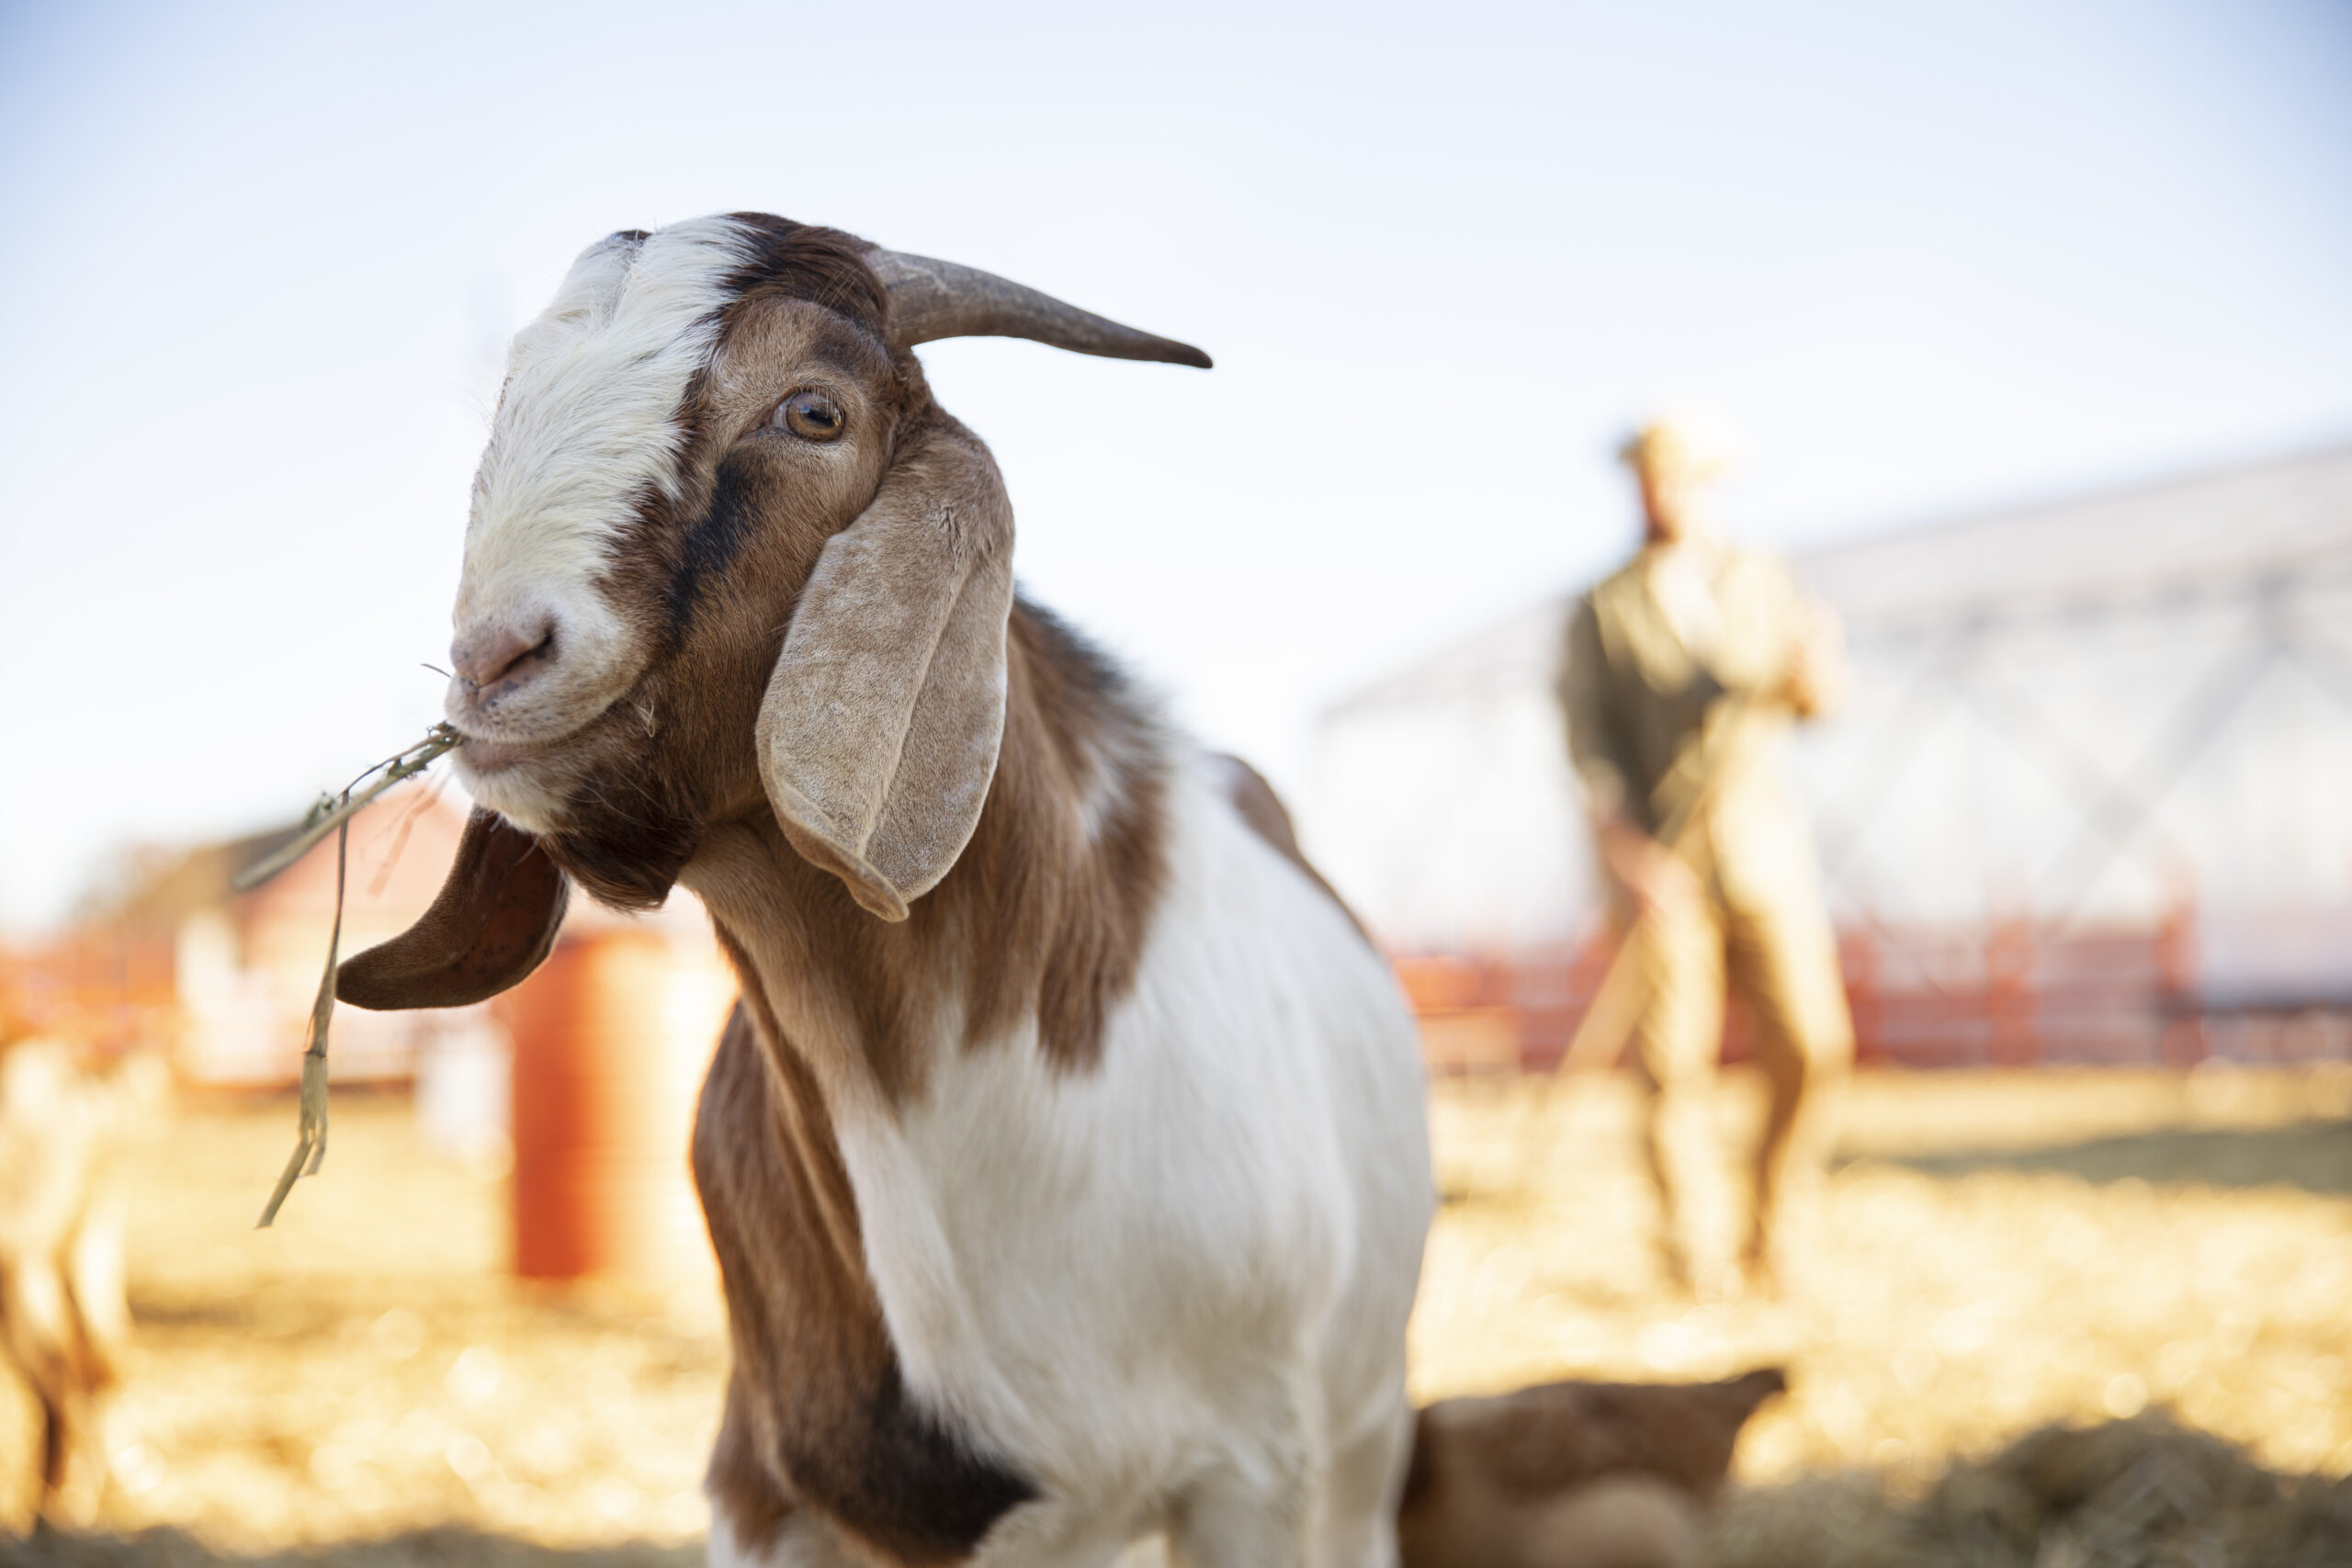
1682,446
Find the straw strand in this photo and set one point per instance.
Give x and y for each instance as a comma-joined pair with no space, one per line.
331,814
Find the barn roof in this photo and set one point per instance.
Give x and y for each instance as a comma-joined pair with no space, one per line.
2215,534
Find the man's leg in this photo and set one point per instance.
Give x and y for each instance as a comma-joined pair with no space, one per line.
1784,962
1680,950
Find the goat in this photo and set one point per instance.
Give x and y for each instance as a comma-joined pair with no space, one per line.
1573,1475
1065,1158
63,1318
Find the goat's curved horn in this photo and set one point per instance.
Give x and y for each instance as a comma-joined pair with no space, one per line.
932,299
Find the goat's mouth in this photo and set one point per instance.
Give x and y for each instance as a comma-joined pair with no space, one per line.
520,779
496,739
482,757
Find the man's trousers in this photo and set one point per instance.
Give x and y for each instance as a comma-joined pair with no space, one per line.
1782,960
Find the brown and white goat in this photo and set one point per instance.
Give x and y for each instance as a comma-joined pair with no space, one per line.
1065,1159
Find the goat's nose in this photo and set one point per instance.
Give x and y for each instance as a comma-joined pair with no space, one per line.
493,653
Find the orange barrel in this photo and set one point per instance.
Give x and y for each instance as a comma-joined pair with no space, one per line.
612,1036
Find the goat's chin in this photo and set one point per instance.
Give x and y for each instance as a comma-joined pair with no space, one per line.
510,787
522,754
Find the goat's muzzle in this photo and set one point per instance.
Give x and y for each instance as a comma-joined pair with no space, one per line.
500,658
494,652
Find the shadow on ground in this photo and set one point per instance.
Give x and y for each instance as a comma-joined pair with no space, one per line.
2315,1156
417,1548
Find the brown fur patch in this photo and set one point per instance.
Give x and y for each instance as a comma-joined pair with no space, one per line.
817,1411
1061,880
745,1490
1263,810
1046,914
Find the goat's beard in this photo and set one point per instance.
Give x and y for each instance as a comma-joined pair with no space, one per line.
626,852
623,823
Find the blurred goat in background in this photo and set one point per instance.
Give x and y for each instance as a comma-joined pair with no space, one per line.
63,1318
1573,1475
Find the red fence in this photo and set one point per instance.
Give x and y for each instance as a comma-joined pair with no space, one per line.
2012,993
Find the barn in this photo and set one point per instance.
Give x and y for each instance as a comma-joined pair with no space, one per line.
2091,798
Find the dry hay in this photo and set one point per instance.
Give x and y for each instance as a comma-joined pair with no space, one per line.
1993,1253
2141,1494
438,1548
367,1370
364,1385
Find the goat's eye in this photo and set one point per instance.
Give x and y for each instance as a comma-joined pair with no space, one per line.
812,416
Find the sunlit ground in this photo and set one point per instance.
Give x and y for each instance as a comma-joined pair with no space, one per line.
367,1367
1991,1252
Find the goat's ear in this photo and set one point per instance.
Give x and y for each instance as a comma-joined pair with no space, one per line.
880,731
493,921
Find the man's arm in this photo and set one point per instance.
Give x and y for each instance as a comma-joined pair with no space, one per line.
1583,689
1648,871
1818,676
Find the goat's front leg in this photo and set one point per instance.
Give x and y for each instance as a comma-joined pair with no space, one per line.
802,1541
1234,1518
1251,1507
1358,1524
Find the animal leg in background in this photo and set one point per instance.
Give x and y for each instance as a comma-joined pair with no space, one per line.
47,1342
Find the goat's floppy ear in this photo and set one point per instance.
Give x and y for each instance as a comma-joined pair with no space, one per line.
880,731
493,920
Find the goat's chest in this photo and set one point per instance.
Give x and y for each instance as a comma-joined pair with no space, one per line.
1090,1277
1082,1263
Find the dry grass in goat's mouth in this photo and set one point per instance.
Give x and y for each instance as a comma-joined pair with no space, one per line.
331,814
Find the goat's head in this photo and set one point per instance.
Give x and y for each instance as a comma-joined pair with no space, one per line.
726,555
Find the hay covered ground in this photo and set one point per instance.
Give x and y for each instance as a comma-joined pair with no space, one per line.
1992,1252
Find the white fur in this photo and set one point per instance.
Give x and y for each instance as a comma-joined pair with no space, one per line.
588,423
1173,1289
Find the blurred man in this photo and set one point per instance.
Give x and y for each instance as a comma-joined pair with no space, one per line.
1681,672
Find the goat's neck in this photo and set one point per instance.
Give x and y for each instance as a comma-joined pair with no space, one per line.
1032,938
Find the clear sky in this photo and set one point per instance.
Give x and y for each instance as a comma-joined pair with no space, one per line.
259,264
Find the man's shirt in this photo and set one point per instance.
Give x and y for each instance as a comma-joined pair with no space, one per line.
1651,652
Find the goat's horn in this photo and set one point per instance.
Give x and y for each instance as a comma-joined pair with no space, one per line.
932,299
